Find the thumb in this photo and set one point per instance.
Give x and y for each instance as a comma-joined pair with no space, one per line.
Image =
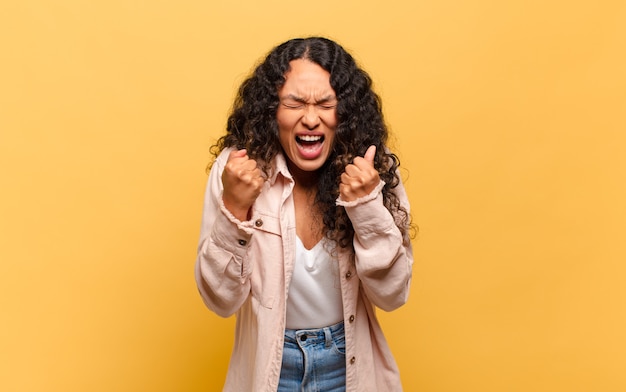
370,154
237,154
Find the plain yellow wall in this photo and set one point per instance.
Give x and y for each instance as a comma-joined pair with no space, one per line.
509,118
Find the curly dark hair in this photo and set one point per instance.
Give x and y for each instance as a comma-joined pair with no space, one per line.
252,125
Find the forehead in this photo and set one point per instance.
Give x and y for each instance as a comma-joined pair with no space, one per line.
306,77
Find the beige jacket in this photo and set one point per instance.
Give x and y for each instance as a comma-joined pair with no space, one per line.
244,268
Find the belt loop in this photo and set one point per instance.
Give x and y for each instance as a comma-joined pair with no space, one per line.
328,337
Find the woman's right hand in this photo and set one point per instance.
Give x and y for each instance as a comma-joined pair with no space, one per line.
242,182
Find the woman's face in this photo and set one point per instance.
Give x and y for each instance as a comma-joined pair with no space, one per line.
306,116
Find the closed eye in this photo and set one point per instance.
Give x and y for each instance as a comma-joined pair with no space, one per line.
296,103
293,105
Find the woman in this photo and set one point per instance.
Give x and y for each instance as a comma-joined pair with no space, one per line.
305,227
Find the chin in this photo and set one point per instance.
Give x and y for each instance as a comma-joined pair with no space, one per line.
310,166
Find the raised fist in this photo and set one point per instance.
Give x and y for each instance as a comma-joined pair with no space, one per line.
242,182
360,177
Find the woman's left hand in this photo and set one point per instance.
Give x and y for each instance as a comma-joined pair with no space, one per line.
360,177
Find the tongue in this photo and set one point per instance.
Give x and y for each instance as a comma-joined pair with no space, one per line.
310,150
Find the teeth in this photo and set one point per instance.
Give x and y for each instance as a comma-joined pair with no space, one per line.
310,138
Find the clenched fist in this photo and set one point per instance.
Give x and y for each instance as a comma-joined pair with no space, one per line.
360,177
242,182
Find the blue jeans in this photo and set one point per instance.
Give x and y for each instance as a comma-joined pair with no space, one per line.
314,360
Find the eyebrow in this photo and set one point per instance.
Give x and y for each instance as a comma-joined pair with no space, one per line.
326,99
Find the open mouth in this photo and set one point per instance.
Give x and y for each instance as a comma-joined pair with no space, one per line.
309,139
310,146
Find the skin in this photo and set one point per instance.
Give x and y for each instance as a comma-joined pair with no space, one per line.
308,108
307,120
242,182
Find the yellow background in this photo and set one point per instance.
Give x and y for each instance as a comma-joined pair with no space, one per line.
508,116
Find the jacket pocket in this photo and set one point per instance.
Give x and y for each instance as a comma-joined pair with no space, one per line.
266,255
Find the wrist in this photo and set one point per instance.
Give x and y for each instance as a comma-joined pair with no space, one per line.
242,213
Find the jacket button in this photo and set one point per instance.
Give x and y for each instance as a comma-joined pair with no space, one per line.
351,319
242,242
258,223
348,274
352,360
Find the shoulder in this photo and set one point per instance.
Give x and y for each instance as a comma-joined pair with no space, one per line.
221,159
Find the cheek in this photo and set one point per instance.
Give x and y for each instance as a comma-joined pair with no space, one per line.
283,126
284,136
330,119
331,123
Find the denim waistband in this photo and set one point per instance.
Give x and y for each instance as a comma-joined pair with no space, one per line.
315,335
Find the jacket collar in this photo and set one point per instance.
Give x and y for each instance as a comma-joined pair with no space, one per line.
279,167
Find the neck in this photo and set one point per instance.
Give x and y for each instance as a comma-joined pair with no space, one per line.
304,180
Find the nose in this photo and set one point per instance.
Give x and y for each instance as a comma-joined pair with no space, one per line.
311,118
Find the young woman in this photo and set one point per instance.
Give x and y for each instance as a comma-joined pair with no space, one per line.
306,227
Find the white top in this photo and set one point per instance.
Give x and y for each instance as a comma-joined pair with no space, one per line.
314,299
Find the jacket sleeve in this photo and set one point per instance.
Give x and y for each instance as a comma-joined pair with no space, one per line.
222,270
383,257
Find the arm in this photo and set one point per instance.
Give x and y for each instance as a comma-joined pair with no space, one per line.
383,258
222,270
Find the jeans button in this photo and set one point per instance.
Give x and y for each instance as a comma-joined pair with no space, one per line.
303,338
